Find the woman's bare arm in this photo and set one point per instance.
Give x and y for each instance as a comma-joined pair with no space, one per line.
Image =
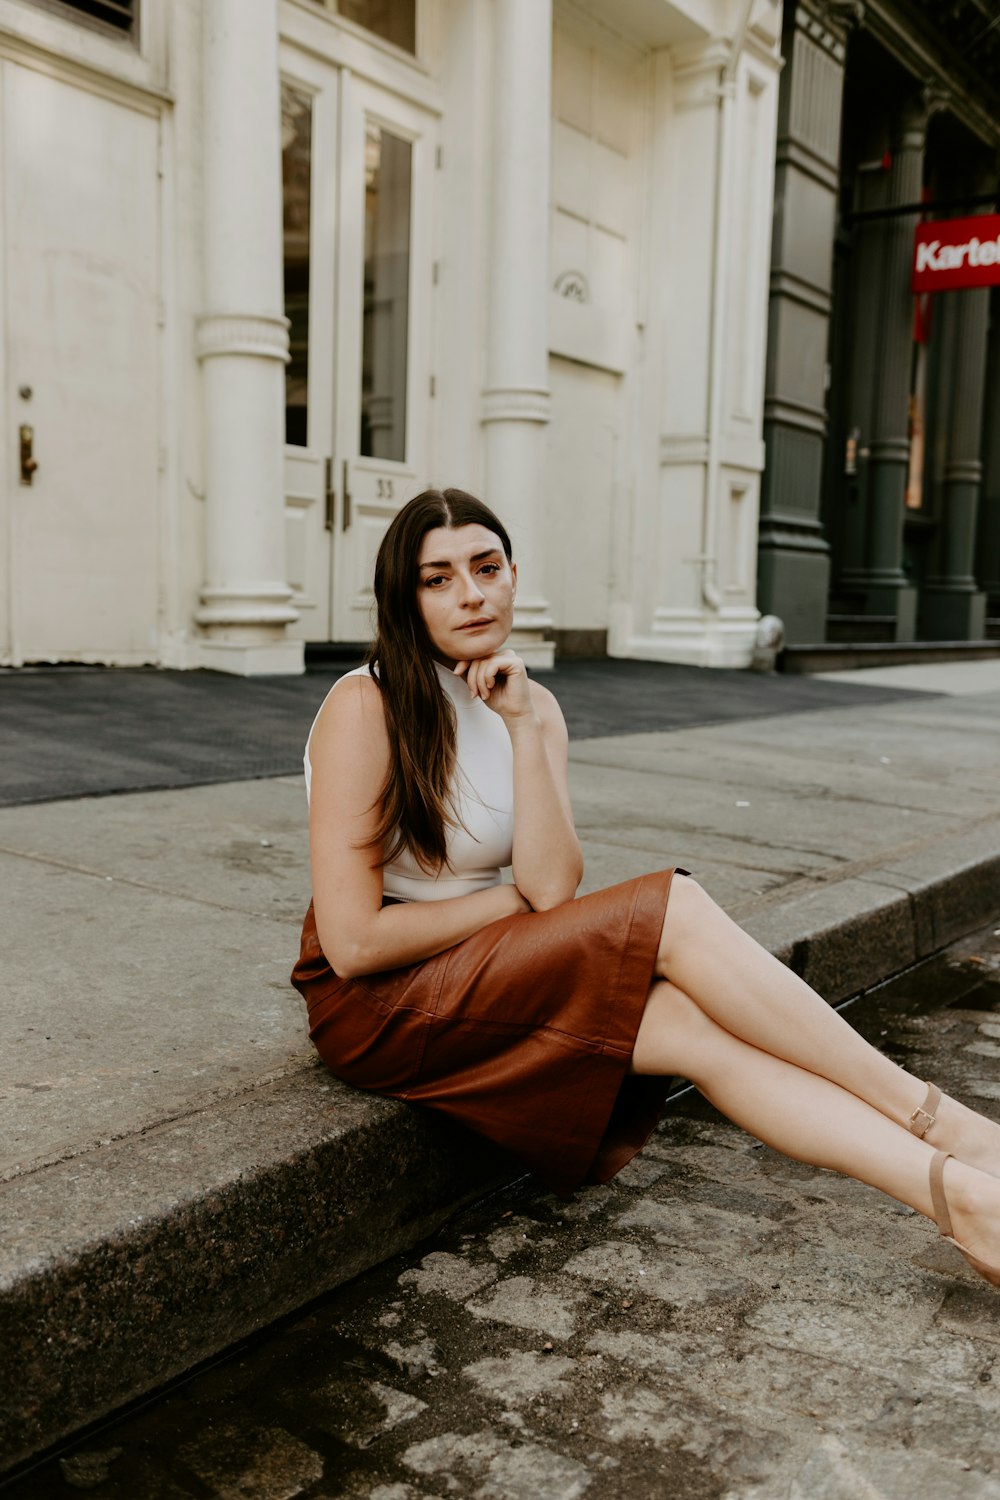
349,752
548,861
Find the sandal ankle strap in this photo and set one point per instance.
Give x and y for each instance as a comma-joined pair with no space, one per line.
923,1118
938,1200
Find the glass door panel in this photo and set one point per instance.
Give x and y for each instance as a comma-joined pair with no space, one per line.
383,384
296,170
310,91
386,328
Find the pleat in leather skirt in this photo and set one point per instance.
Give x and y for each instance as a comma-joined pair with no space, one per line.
523,1032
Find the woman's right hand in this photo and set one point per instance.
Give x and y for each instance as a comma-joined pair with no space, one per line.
501,681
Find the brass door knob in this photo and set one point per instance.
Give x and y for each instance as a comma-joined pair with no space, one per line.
28,462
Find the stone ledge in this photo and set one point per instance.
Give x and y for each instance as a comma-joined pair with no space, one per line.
848,935
130,1264
127,1265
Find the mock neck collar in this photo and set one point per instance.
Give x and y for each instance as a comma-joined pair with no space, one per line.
454,686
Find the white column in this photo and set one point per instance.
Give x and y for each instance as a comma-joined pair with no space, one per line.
516,397
242,343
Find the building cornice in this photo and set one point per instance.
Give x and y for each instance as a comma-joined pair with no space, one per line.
933,57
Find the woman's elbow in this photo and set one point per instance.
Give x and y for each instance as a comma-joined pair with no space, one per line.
548,902
552,896
555,889
347,968
343,953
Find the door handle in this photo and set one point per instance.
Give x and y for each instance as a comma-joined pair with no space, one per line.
331,495
346,521
28,462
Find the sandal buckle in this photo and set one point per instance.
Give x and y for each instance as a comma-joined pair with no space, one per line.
921,1121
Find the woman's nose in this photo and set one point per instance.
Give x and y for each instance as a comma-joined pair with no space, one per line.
473,593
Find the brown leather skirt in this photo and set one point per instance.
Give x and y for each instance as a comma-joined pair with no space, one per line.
523,1032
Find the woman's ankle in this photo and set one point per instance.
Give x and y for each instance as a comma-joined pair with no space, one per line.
971,1137
973,1199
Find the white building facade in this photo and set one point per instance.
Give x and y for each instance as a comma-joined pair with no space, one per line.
270,267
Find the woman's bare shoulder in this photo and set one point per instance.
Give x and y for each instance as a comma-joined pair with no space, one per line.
351,710
546,705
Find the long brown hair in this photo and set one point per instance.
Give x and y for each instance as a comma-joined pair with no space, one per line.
414,802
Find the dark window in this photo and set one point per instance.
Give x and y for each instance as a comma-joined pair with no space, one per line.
393,20
296,161
117,13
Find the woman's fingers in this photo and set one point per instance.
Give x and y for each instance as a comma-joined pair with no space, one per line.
470,671
479,677
503,672
504,683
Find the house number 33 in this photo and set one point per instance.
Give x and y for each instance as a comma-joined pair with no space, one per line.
385,489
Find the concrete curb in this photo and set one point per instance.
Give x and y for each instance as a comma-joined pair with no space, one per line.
130,1264
135,1262
849,935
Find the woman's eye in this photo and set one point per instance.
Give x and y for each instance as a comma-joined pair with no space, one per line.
430,582
490,568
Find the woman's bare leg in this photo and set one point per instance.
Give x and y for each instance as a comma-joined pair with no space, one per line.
758,999
808,1117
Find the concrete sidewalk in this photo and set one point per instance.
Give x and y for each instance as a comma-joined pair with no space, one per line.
176,1168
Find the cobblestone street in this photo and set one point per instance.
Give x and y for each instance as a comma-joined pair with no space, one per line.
718,1322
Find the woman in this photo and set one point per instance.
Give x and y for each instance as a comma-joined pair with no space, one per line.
547,1022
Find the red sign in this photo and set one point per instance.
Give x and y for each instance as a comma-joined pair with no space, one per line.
952,253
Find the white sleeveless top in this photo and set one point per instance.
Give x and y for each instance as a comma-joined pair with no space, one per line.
482,800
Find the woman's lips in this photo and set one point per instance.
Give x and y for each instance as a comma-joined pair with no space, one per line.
475,624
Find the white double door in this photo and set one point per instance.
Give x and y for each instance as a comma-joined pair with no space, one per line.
358,178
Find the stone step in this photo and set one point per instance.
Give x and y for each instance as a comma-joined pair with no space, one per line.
126,1265
834,656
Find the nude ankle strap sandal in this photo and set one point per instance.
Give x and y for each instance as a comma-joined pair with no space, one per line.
940,1205
923,1118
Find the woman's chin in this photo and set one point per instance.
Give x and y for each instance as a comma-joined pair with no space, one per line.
470,645
481,646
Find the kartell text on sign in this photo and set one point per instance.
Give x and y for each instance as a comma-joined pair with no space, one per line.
953,253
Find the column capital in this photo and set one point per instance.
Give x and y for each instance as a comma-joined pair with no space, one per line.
516,403
910,128
839,17
242,333
699,77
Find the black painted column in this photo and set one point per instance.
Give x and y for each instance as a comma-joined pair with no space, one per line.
793,565
862,303
952,608
988,541
887,445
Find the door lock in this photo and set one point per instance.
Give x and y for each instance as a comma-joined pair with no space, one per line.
28,463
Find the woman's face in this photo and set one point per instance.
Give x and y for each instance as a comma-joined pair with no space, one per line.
465,591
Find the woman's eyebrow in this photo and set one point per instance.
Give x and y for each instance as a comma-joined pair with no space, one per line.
447,563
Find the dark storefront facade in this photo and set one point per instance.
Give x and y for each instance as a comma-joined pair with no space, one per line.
880,507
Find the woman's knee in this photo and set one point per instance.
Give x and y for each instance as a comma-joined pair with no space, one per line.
672,1032
687,906
686,894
